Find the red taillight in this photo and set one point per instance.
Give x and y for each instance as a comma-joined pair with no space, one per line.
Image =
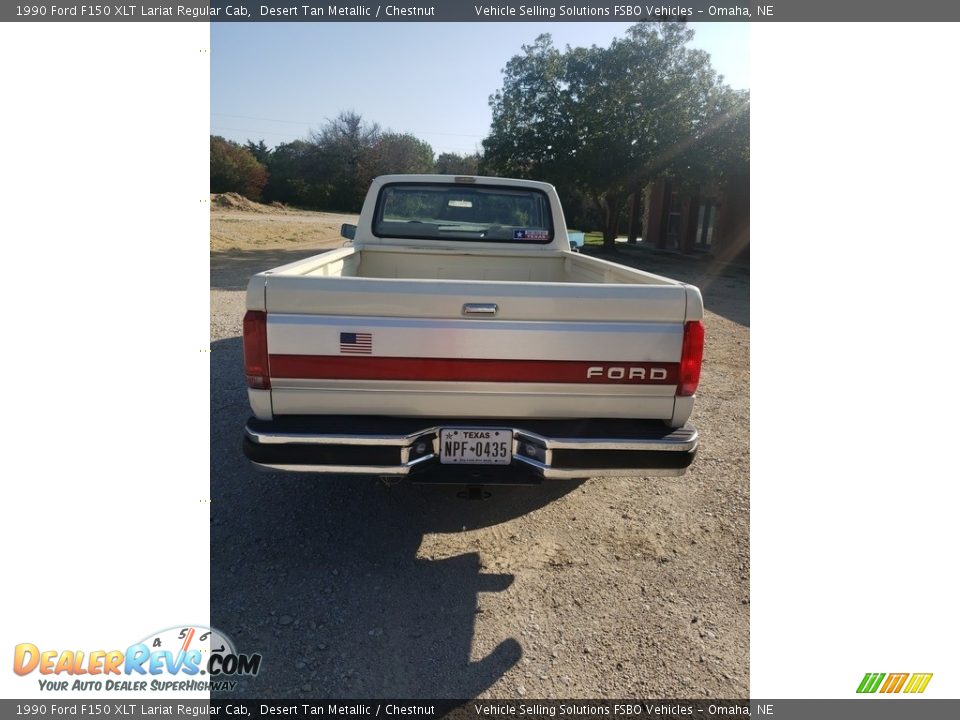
690,358
255,350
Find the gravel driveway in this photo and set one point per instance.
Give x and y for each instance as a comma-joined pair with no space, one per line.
607,588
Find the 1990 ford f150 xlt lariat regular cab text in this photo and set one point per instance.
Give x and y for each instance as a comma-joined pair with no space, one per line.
459,339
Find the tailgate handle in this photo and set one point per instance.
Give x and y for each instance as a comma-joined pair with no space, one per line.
480,309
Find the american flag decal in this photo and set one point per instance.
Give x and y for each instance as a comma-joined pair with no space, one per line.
356,343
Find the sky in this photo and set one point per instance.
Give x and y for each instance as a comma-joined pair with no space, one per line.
277,81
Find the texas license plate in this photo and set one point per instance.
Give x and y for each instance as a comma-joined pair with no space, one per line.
475,446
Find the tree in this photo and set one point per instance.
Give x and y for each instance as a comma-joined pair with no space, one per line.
394,153
529,114
449,163
259,150
339,149
608,121
289,170
234,169
347,153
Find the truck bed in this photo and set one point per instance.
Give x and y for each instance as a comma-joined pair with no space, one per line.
419,264
415,283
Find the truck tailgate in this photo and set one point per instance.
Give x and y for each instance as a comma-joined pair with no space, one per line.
441,348
445,298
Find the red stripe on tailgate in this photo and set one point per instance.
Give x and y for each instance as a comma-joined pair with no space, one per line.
333,367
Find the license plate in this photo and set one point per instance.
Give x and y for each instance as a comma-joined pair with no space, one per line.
475,446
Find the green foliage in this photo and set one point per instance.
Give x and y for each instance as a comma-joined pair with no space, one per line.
604,122
453,164
234,168
289,165
259,150
333,168
337,153
393,153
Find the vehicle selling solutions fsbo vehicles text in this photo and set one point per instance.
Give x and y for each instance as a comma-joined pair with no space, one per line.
625,11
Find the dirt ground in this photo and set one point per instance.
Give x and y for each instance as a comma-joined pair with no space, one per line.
238,224
608,588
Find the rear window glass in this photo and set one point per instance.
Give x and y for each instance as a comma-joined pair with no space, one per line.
463,212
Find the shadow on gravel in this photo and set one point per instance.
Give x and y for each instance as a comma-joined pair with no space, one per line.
321,576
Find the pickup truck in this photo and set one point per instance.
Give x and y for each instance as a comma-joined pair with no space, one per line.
459,339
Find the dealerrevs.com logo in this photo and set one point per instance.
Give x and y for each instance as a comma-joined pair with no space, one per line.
184,658
910,683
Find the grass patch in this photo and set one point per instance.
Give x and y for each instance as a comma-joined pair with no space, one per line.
589,238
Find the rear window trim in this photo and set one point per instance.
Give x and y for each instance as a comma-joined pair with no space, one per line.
379,206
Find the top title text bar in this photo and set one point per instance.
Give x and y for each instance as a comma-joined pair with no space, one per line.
479,11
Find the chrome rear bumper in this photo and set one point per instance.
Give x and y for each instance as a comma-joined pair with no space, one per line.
542,449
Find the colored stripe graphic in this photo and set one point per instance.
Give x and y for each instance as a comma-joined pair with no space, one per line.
870,682
333,367
894,682
918,682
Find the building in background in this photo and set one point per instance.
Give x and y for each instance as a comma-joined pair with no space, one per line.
713,219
